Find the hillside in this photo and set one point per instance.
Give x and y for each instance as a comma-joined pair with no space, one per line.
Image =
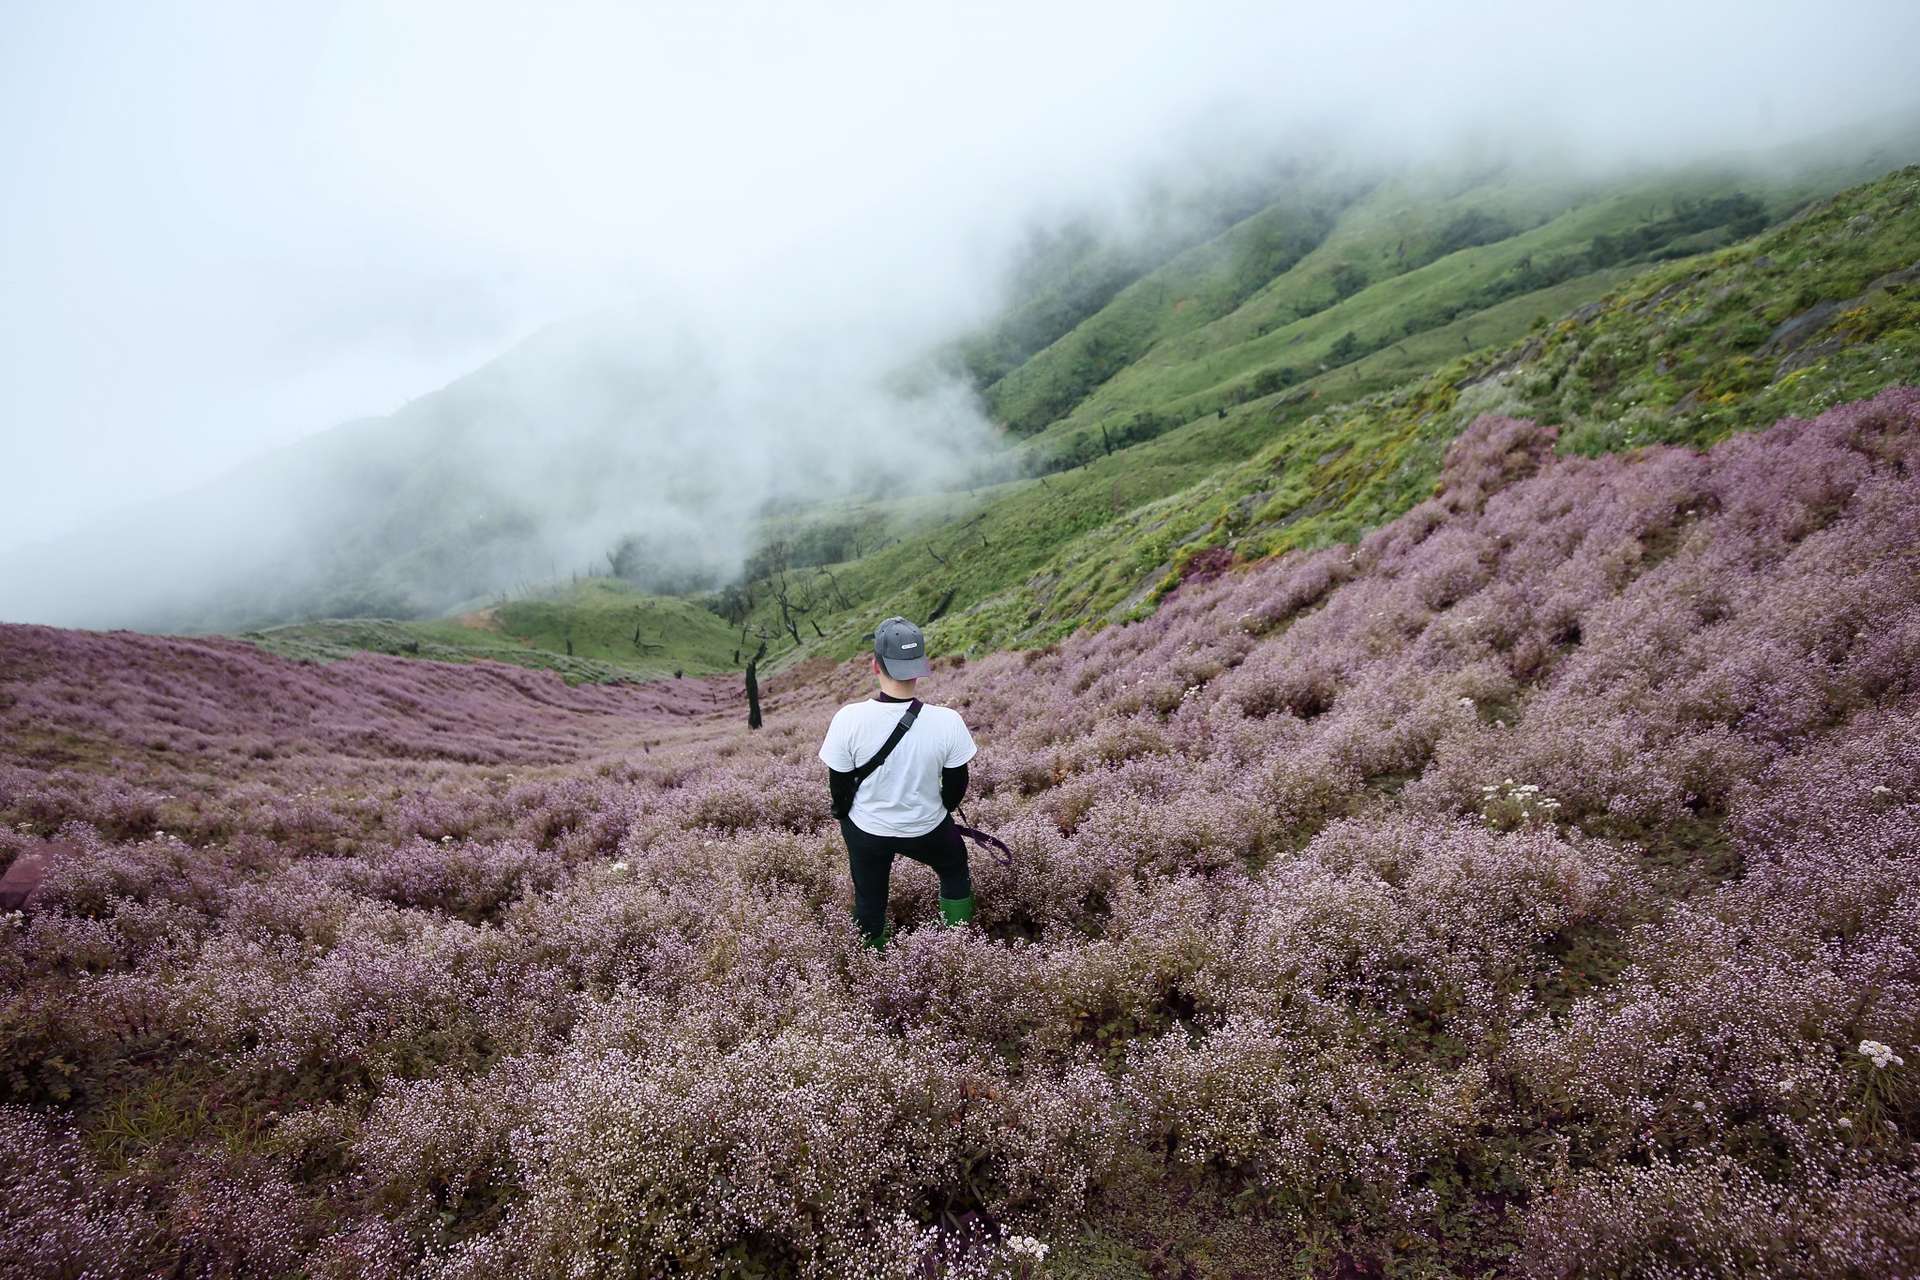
1820,310
1134,369
543,464
1665,344
1605,311
1526,889
597,630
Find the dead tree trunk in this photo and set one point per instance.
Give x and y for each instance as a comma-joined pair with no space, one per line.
753,686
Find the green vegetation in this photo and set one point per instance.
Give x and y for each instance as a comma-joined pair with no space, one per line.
1067,274
1821,310
594,631
1645,350
1290,382
1199,286
1380,280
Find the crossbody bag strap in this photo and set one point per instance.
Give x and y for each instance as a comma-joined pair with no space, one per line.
879,757
981,838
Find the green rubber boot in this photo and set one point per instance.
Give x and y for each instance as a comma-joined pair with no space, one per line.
957,910
877,942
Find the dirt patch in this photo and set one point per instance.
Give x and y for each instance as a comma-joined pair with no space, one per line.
482,620
26,871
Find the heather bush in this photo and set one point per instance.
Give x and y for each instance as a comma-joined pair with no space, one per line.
1716,1217
1529,887
1320,1131
64,1220
800,1140
441,1148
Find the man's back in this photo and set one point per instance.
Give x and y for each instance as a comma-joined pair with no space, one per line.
902,796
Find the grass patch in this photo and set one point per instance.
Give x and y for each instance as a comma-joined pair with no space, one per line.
596,631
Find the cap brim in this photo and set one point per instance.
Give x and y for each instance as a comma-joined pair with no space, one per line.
906,668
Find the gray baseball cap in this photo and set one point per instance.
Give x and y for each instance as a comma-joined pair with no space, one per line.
901,648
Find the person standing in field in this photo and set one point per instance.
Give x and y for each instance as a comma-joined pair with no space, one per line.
896,770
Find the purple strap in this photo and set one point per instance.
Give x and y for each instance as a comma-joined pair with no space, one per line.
982,838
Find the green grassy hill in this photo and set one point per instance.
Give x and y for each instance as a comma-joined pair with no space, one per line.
596,630
1266,376
1663,341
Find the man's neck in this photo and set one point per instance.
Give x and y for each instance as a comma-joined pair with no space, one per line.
896,691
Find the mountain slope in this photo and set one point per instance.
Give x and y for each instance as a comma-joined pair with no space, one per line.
598,630
1224,456
1270,365
1526,890
532,468
1682,350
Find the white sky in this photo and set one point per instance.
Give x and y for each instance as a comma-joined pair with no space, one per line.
227,224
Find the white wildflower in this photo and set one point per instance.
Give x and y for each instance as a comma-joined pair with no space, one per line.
1467,703
1883,791
1026,1247
1880,1055
619,867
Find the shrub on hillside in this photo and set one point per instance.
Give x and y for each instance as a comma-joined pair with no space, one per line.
494,976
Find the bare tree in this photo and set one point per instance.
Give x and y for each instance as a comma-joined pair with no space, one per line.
795,600
753,686
753,671
793,607
839,595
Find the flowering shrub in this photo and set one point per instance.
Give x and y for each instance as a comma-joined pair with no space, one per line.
1507,805
1528,887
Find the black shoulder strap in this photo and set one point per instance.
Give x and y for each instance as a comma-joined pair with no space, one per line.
879,758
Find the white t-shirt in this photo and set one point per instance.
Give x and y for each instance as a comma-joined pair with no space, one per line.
902,796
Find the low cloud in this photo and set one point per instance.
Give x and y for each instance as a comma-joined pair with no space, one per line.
229,227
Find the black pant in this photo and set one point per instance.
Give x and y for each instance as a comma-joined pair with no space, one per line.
870,858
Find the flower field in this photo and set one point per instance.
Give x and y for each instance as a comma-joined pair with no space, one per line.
1532,888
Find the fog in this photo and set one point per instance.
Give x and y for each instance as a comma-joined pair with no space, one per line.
227,227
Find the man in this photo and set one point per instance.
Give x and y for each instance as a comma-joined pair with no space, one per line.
903,806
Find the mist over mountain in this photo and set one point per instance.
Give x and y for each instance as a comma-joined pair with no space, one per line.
676,269
652,440
619,426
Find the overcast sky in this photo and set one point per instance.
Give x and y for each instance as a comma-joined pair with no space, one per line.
225,225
